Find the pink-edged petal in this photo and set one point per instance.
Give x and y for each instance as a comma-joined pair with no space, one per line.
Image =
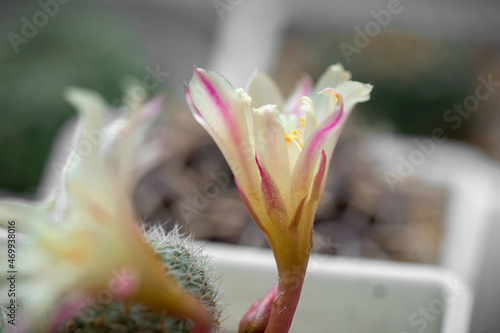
305,225
314,145
297,216
273,201
317,189
225,109
270,145
352,93
264,90
250,207
308,159
219,103
302,88
199,117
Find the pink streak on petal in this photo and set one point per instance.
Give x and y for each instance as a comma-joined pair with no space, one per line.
322,134
236,134
305,88
250,208
312,150
298,214
269,189
318,180
222,108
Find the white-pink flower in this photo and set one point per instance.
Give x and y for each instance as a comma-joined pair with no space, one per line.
95,245
279,151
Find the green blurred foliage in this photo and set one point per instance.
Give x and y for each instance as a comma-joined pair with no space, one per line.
85,45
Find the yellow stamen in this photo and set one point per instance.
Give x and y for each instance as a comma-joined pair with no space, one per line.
287,138
303,121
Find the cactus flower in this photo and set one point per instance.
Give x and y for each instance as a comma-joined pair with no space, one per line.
279,152
94,251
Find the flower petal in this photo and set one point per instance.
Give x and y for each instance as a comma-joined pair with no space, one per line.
311,122
253,213
297,216
293,150
331,78
264,91
91,107
302,88
273,201
199,118
23,213
270,146
308,159
319,180
225,111
194,110
354,92
124,147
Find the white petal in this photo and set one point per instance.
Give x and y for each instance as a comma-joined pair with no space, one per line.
331,78
270,146
91,107
294,150
307,108
354,92
225,111
25,215
263,91
302,88
289,122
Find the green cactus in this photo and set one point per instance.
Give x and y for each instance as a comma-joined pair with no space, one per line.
186,263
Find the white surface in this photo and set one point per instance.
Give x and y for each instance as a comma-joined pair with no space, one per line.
485,317
470,246
473,181
346,295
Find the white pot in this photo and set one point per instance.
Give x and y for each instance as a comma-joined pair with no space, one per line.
472,222
348,295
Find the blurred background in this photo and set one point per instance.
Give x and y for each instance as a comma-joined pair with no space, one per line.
415,176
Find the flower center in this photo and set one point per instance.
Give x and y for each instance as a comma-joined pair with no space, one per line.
296,133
